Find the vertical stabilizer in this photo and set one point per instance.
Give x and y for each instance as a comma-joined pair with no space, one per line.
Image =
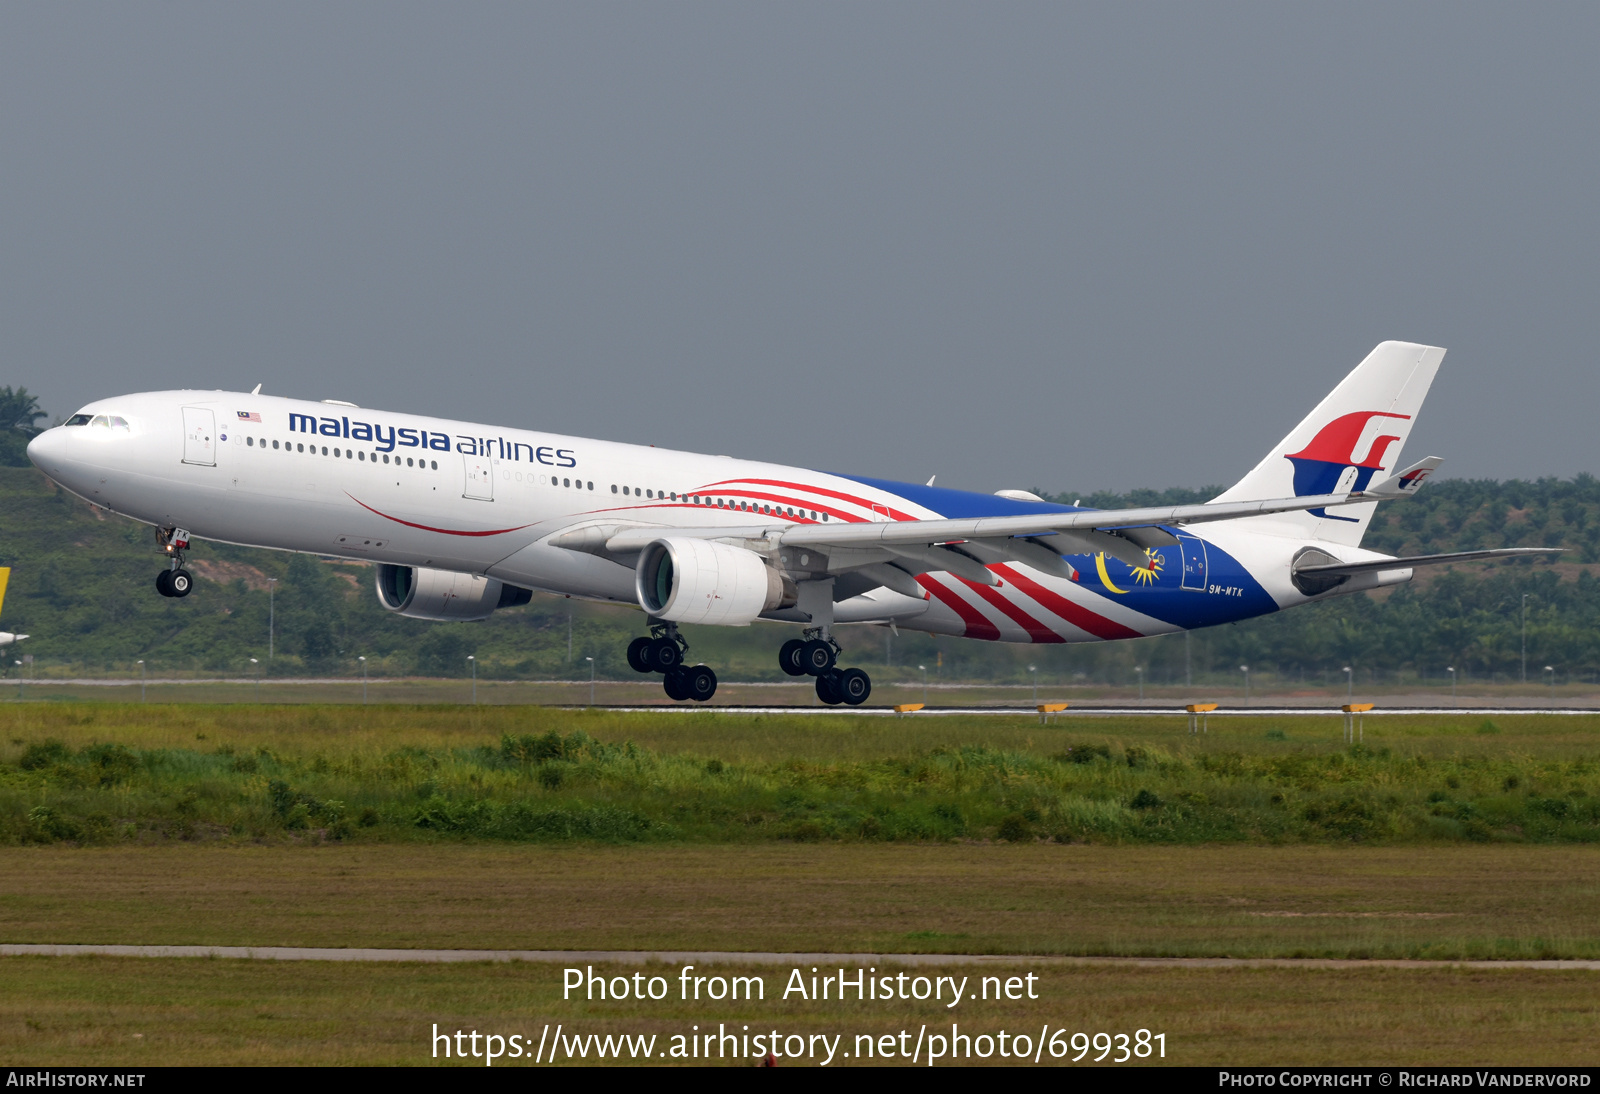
1354,436
5,577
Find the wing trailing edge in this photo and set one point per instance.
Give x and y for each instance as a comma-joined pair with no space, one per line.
1350,569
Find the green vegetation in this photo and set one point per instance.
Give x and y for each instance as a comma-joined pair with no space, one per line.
1433,901
19,416
1450,515
585,776
82,587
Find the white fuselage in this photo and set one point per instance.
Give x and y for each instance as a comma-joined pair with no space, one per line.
397,488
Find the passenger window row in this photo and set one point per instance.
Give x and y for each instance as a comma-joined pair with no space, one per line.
348,453
719,503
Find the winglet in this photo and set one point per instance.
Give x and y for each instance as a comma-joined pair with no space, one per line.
1405,483
5,578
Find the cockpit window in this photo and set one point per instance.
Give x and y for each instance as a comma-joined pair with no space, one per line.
78,419
119,423
101,420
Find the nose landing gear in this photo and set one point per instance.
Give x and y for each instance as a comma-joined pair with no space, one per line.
817,654
664,652
174,581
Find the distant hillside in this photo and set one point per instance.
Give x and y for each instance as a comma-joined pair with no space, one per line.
83,585
1448,515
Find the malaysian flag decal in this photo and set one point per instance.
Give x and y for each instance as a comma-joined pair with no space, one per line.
248,416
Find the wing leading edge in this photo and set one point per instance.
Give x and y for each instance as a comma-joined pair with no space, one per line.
1125,526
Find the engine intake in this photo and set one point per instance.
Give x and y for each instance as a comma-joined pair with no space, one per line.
418,593
698,581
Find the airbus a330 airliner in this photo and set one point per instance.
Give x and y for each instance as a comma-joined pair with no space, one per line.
464,520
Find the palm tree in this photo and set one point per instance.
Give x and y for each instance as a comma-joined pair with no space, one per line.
19,410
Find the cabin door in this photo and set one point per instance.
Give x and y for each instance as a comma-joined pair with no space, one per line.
480,478
1194,563
199,436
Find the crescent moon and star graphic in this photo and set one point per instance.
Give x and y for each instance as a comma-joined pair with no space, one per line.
1147,574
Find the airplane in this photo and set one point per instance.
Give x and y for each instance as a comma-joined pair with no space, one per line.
6,637
464,520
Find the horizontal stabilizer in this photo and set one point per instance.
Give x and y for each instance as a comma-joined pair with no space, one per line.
1345,569
1405,483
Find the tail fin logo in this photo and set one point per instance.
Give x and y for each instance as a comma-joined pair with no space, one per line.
1412,482
1337,449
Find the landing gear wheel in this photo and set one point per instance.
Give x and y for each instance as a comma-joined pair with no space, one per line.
673,683
164,583
698,683
853,686
180,582
817,657
789,657
665,655
639,655
828,689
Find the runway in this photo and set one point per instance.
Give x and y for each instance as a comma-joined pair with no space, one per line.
1079,711
735,957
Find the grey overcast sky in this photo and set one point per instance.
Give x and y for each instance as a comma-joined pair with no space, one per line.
1065,246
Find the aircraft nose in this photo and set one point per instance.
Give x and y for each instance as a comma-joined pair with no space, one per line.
48,449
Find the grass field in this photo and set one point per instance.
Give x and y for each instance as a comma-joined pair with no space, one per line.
532,828
1316,901
107,774
142,1012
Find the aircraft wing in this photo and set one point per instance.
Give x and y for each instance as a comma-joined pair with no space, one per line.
967,546
1107,520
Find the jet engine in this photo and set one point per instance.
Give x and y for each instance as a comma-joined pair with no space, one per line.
418,593
698,581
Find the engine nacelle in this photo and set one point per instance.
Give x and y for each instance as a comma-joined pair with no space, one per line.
418,593
698,581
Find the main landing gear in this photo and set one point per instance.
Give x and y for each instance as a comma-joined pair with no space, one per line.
174,580
664,652
817,655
